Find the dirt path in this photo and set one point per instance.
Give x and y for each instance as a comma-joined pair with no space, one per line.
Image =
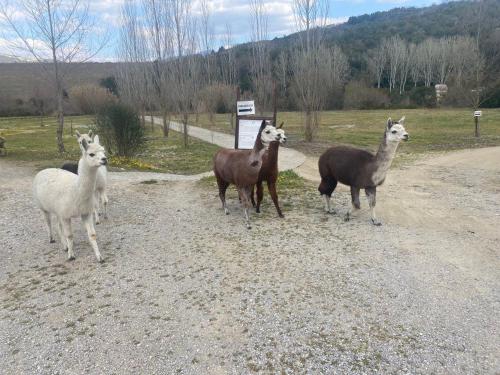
287,158
187,289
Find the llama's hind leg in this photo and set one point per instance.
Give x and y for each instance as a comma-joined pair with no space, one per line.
355,203
104,202
326,189
97,199
89,225
49,225
371,194
222,193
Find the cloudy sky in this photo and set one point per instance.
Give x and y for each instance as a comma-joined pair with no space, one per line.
234,13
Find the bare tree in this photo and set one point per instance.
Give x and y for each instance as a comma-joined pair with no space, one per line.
281,67
377,61
309,59
133,74
57,30
158,22
444,59
260,61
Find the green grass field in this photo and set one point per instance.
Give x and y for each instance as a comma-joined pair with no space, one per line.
430,129
27,141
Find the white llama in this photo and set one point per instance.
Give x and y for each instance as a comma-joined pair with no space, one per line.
102,178
67,195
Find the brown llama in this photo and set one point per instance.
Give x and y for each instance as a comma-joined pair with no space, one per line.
269,173
360,169
242,167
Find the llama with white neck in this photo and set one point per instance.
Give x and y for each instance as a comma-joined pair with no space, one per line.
360,169
66,195
102,176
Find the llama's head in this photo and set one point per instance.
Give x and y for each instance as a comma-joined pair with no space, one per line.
269,134
282,135
395,131
87,137
93,153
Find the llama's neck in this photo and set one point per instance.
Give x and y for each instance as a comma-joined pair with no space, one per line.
257,151
383,159
87,177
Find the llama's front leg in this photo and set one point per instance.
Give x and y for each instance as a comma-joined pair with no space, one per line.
260,196
245,201
89,225
371,194
49,224
68,236
271,186
355,203
60,232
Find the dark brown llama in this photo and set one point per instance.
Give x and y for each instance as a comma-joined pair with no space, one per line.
269,173
359,169
242,167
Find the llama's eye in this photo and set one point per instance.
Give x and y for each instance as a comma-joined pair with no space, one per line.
91,155
268,131
394,132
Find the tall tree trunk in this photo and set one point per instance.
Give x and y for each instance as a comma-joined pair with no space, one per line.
60,123
185,128
308,129
166,124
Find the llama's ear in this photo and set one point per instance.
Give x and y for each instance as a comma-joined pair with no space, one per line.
263,125
389,123
85,145
77,133
96,139
281,125
90,133
402,120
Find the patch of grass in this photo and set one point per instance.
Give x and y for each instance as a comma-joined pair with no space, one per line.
27,141
288,181
430,129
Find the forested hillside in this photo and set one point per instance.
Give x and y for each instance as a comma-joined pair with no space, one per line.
432,45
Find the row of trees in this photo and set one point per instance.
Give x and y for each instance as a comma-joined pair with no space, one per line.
170,66
433,61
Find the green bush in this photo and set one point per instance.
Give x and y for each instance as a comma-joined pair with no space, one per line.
422,96
359,96
120,130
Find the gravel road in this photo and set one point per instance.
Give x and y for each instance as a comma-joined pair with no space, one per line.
185,289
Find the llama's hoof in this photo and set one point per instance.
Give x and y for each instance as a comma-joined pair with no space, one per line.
52,240
257,210
226,212
249,226
100,259
347,217
281,216
71,258
331,212
376,222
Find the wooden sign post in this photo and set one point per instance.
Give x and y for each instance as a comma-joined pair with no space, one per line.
477,114
247,123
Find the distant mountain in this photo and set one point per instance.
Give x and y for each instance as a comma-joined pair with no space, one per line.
365,32
8,59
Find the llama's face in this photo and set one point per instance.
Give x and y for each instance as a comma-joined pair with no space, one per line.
87,137
269,134
94,154
396,132
282,135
